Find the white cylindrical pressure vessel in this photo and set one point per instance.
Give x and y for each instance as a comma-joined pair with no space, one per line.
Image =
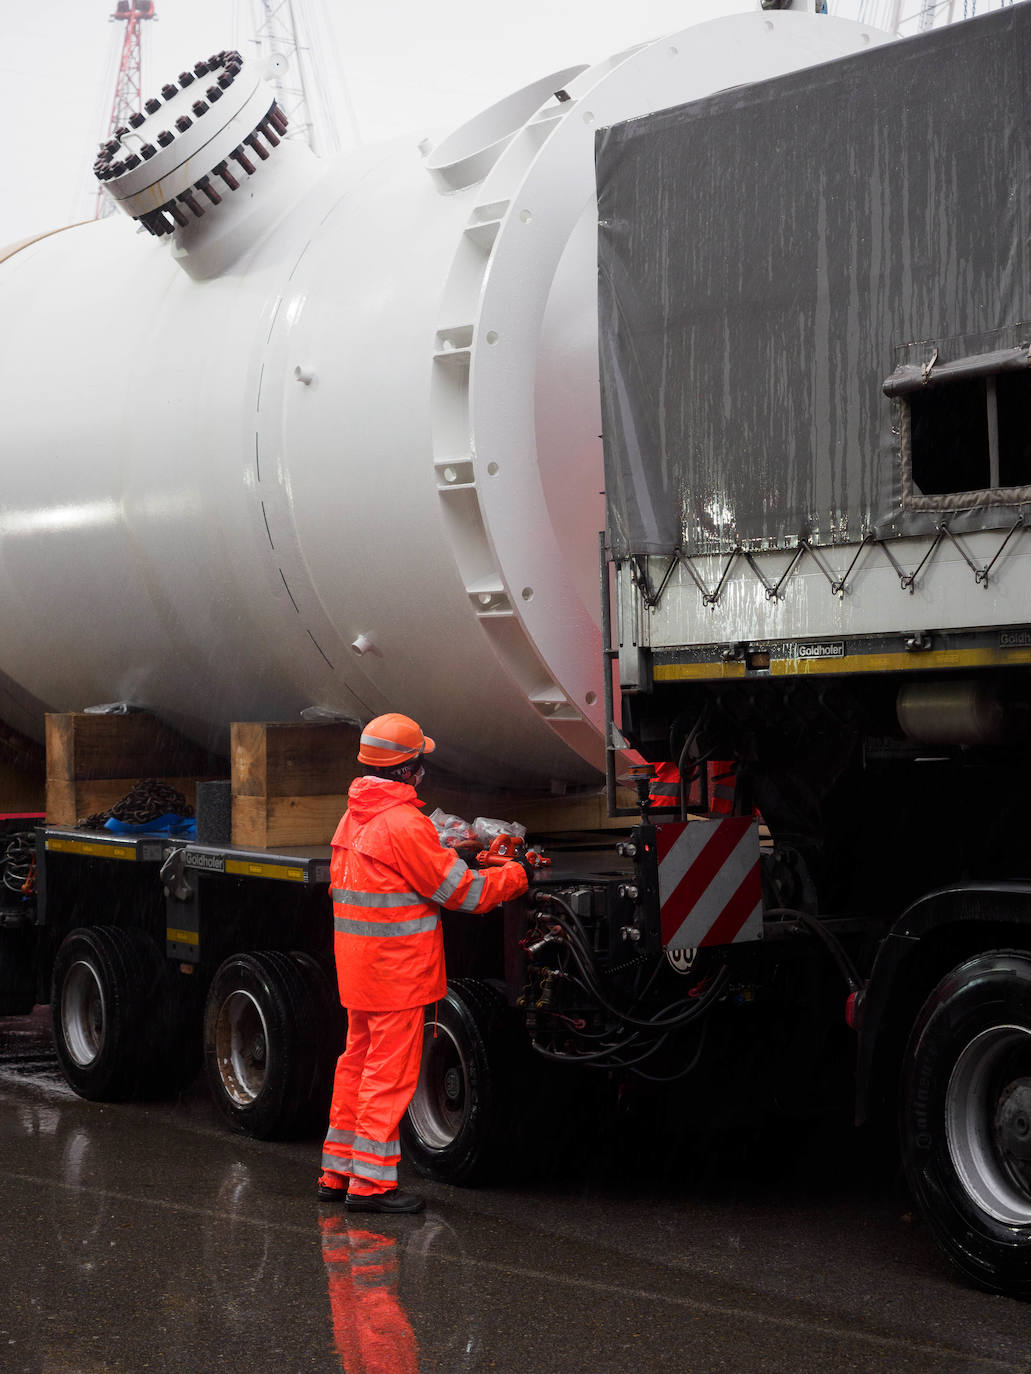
334,441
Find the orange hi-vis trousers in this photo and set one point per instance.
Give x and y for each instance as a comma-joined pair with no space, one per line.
375,1080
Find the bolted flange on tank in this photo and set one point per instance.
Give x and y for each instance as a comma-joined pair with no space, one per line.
221,117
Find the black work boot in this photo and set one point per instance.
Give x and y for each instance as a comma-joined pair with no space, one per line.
393,1201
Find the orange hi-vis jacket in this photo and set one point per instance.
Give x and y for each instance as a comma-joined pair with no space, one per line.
664,789
390,875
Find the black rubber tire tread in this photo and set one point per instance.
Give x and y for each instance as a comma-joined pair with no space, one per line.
128,970
281,990
475,1014
329,1025
991,989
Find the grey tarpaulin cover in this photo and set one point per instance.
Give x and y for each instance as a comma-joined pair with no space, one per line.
771,255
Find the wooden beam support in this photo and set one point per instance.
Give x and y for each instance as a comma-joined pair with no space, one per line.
290,781
290,786
93,760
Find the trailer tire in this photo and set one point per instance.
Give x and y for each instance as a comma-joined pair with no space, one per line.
965,1119
454,1130
330,1031
103,986
260,1045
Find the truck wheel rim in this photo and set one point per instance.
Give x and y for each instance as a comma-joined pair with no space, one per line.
988,1122
83,1013
439,1109
241,1047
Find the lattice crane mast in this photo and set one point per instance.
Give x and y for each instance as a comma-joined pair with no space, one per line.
128,97
284,30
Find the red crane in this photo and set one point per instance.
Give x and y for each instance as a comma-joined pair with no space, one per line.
128,94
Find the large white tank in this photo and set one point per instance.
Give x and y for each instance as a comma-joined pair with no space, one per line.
335,441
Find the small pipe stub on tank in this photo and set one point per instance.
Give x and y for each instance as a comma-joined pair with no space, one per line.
152,172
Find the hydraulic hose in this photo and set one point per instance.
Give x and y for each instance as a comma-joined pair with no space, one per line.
834,947
579,950
689,1067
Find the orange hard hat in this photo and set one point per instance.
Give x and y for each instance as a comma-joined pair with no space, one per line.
392,739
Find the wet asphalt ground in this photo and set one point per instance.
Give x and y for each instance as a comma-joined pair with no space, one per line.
145,1237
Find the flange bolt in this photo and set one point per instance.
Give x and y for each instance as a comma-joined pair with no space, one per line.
223,171
253,143
205,185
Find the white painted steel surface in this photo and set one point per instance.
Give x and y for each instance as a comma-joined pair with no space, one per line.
339,446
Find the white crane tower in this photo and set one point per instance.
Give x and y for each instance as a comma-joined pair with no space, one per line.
288,30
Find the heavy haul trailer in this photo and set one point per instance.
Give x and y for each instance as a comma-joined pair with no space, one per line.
159,950
815,350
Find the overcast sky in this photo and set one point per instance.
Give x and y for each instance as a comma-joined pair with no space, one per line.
390,68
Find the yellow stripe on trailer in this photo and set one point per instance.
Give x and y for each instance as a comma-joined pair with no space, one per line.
684,672
182,937
908,661
93,848
900,662
245,869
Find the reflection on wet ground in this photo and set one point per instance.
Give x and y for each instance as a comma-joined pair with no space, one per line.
143,1237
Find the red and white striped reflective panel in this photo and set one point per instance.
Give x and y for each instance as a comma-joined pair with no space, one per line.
710,890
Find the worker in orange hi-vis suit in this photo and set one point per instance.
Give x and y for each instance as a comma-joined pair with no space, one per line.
664,789
389,876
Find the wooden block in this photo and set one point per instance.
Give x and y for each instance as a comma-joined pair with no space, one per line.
293,760
270,822
553,815
290,786
70,801
541,815
82,746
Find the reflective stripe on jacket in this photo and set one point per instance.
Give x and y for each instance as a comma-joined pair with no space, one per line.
390,875
664,788
722,787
